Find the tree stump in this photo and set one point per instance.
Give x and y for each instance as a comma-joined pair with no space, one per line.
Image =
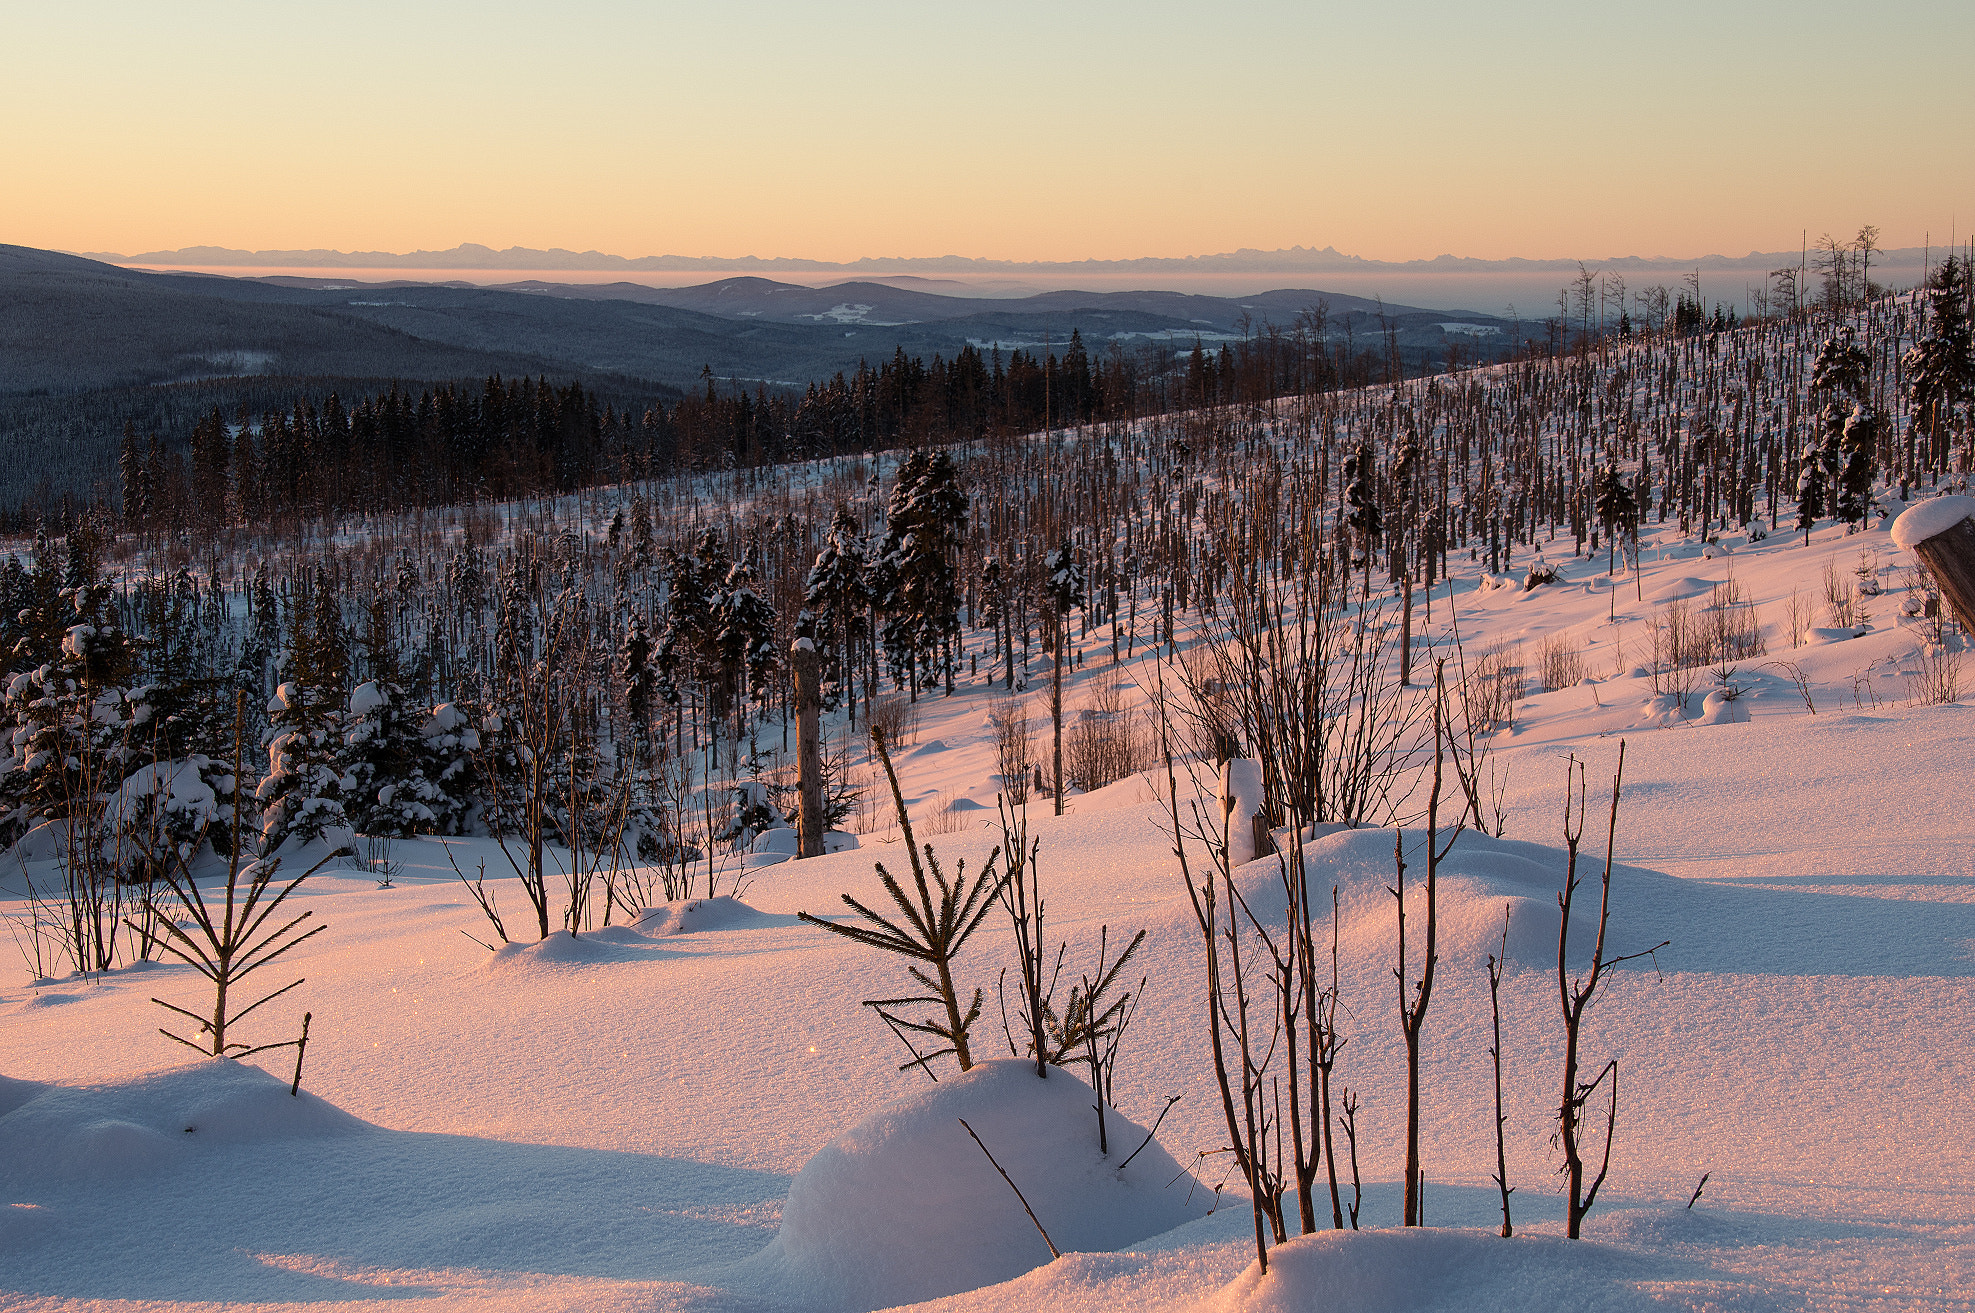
1941,532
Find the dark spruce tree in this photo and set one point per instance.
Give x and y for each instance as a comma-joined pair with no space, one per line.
837,594
925,523
1940,367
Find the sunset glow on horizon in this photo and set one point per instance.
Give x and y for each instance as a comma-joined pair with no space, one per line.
1022,132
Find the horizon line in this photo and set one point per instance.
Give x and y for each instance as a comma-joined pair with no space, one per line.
473,255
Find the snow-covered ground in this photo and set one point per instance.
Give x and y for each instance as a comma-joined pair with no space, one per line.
625,1121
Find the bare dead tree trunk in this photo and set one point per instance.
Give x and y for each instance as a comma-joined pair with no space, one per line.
1204,895
1575,998
809,747
1412,1011
1059,622
1406,630
1497,963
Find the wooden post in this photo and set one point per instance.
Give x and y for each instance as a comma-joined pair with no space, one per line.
809,747
1941,532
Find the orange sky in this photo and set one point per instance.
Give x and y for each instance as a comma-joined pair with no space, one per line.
1015,131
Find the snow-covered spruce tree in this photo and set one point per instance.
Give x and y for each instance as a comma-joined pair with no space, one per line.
180,790
1362,516
1846,443
996,614
638,678
685,646
744,638
837,593
387,791
70,714
1842,367
918,581
1858,463
514,623
447,742
1811,485
301,797
1940,367
1618,511
584,805
639,752
466,582
40,617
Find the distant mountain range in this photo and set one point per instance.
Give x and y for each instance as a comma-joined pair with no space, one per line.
72,324
1295,259
86,346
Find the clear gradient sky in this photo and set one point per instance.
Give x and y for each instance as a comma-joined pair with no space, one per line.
834,129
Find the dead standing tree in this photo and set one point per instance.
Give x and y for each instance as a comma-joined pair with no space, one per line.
1575,995
1497,965
1249,1126
1412,1009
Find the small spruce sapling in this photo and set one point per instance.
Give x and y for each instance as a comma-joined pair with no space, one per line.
927,930
228,936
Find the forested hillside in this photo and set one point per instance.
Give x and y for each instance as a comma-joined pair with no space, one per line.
416,594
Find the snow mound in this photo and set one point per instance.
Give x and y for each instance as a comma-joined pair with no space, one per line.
723,913
1131,791
124,1128
1424,1268
904,1207
13,1093
1923,520
634,942
1717,708
1679,590
780,840
1480,877
562,949
773,846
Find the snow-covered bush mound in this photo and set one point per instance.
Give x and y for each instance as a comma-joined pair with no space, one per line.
1478,877
562,949
904,1207
634,942
694,914
63,1132
1683,588
1718,708
1131,791
1422,1269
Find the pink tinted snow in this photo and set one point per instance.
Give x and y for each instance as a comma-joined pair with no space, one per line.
904,1206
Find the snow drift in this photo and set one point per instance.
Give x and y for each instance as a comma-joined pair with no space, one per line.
903,1206
1419,1269
125,1128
